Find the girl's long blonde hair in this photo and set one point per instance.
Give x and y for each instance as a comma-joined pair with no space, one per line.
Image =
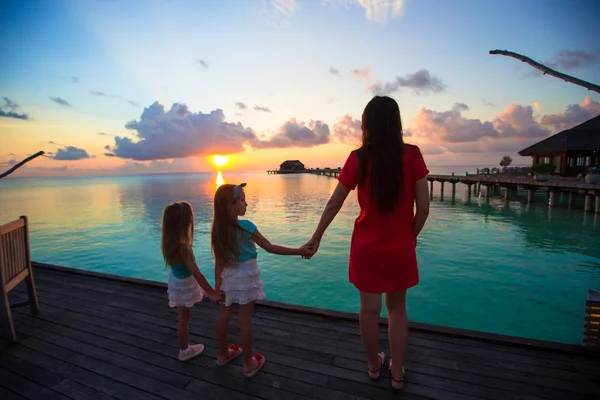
177,230
225,231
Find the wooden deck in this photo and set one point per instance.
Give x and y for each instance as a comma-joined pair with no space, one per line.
103,338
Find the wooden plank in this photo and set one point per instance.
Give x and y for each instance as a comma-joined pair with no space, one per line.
482,377
129,378
77,391
26,388
384,391
137,331
106,385
211,391
40,358
557,371
6,394
170,362
41,376
352,328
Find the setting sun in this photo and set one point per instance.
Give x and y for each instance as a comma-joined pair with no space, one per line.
220,161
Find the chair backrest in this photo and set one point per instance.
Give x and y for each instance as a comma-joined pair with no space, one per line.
591,327
15,260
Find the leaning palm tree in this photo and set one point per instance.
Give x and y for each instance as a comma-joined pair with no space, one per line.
549,71
14,168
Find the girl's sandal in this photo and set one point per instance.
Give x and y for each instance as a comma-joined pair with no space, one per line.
234,352
376,374
261,362
398,381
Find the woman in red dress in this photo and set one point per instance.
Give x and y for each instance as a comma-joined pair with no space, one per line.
391,177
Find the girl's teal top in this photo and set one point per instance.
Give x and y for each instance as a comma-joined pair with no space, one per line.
180,270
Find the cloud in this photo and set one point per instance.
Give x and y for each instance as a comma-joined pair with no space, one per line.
52,142
133,103
283,7
10,109
70,153
98,93
102,134
203,64
334,71
488,103
180,133
573,115
107,147
296,134
375,10
362,73
265,109
348,130
60,101
537,106
74,79
421,82
109,154
573,59
240,105
451,127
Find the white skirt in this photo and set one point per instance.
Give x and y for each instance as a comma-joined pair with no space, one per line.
242,284
184,292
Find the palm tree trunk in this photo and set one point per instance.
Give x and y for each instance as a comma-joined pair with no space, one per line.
14,168
546,70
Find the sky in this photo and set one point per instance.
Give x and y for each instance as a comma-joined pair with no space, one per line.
110,87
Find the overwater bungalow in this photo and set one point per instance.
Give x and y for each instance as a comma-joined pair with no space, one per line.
572,151
292,165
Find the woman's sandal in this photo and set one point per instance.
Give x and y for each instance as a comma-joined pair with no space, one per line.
375,375
398,381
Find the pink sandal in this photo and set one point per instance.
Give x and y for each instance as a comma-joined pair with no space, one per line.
237,352
261,362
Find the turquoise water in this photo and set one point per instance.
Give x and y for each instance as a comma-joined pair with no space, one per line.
485,265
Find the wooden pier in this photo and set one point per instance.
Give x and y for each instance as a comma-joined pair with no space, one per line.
104,337
332,172
495,184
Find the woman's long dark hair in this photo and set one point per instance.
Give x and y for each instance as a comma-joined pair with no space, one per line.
383,147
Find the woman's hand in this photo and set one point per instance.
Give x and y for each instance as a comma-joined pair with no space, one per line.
312,246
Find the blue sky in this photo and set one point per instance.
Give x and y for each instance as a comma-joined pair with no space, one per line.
105,62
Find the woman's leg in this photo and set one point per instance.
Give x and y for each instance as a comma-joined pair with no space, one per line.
397,332
370,310
223,321
183,328
245,320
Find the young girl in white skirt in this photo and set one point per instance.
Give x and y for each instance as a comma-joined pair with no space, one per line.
187,286
237,274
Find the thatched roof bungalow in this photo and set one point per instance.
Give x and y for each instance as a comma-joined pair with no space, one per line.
573,151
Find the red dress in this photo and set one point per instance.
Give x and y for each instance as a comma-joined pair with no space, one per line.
382,252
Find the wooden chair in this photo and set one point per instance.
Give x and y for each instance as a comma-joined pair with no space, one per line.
591,326
15,267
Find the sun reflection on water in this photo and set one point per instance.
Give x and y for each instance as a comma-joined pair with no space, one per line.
220,179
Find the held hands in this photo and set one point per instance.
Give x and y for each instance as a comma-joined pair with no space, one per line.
216,296
310,248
